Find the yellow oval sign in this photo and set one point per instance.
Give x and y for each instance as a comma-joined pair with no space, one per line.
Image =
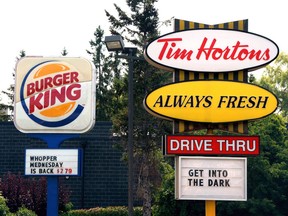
211,101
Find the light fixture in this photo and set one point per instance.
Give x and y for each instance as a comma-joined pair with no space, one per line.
114,43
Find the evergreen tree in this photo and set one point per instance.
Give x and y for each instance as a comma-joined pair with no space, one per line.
105,79
10,94
3,112
64,52
138,27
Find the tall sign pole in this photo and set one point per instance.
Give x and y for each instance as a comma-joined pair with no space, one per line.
210,64
54,101
210,205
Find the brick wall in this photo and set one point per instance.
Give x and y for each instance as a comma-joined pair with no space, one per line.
104,179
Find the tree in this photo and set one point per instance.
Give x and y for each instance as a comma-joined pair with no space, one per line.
275,79
3,111
267,173
10,94
165,203
267,176
31,193
105,78
64,52
138,28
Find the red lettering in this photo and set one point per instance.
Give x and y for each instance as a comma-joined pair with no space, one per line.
53,96
237,52
74,77
30,88
74,92
46,99
50,82
57,80
165,45
35,102
206,51
59,95
266,54
66,77
258,55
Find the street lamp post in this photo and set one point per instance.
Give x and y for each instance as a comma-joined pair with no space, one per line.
115,43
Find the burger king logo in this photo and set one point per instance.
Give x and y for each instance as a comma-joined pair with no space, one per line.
53,93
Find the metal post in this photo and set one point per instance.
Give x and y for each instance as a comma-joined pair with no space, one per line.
53,142
118,45
83,144
52,195
210,205
130,133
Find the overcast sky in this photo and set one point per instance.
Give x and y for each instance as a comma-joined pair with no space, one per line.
45,27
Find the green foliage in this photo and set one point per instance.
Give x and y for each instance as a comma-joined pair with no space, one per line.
10,94
138,27
165,202
3,110
106,80
25,212
4,210
275,79
67,207
108,211
267,173
267,179
29,192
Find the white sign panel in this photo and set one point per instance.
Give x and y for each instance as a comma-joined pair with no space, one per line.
211,178
54,95
52,162
211,50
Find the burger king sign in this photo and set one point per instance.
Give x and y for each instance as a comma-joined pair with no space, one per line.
54,95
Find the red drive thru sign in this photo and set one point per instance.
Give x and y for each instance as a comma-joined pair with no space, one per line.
210,145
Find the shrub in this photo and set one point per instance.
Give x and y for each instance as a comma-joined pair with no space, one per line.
4,210
25,212
165,202
29,192
108,211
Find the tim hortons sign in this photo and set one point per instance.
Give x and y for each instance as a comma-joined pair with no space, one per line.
211,101
54,95
211,50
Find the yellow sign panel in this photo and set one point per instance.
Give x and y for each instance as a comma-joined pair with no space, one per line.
211,101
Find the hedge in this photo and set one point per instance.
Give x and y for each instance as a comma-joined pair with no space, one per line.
101,211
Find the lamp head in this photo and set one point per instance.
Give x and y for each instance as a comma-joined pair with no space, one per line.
114,43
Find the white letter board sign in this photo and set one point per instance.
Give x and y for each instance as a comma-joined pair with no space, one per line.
211,178
49,162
